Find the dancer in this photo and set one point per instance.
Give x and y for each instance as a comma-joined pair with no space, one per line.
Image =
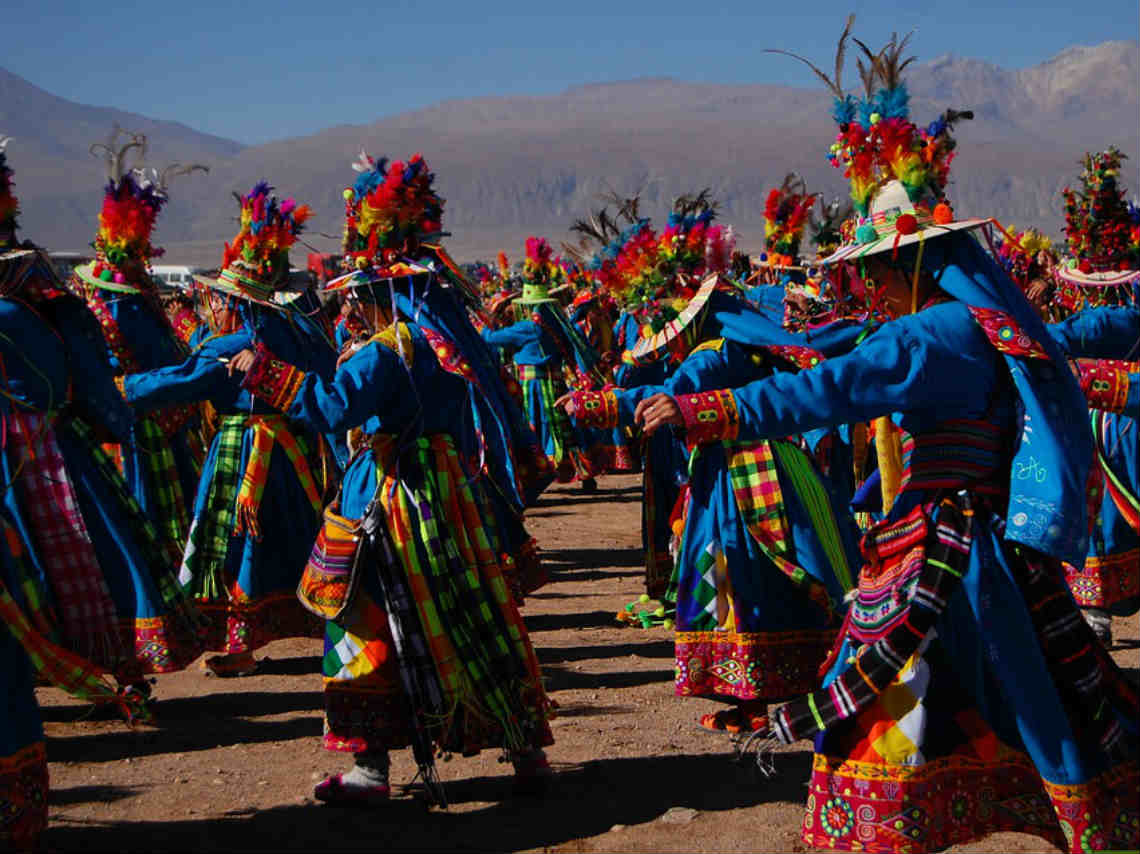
546,347
242,563
767,544
424,645
158,462
106,574
966,682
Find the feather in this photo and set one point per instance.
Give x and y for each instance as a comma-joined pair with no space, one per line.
836,84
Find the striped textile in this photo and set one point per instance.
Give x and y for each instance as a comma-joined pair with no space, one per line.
85,611
66,670
454,578
270,430
959,453
1076,660
878,664
755,485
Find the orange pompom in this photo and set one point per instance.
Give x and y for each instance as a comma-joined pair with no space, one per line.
943,214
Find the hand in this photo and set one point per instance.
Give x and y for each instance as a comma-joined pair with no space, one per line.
568,403
241,363
657,411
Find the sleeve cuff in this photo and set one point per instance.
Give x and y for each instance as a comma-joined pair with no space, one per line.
710,416
1105,382
273,381
596,408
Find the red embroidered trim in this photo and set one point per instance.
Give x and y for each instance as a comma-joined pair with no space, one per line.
272,380
710,416
1006,334
596,408
185,322
1105,581
170,419
1105,382
749,665
802,357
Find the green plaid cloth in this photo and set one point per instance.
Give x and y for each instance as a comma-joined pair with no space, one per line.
209,539
440,510
163,483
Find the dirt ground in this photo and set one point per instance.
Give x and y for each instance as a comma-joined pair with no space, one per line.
231,764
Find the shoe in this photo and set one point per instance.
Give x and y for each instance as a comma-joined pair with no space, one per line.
732,721
334,791
589,485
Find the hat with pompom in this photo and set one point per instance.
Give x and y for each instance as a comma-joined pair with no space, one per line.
132,200
898,172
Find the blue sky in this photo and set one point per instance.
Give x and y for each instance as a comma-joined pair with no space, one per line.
261,71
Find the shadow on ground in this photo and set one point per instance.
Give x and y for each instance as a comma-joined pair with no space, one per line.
184,724
585,800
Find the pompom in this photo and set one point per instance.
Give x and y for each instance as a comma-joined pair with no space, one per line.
906,224
866,233
943,214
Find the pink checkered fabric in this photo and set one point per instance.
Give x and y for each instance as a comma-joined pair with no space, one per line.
83,604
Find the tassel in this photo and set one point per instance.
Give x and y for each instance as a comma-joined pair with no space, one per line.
888,449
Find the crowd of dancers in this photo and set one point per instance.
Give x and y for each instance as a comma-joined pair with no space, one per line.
890,493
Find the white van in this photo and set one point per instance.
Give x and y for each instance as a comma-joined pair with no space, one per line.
174,276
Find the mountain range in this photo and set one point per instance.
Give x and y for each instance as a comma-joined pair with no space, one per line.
519,165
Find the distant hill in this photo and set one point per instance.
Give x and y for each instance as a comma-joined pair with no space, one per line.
510,166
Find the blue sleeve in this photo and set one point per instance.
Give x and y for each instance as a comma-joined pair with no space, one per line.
513,337
705,369
1110,332
93,386
888,372
201,377
372,383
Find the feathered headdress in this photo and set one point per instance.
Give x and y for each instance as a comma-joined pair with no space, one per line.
9,204
1101,227
132,200
256,262
541,267
1018,254
387,206
786,214
827,226
898,172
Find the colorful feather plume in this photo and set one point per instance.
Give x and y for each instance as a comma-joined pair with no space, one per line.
786,215
268,228
1102,229
132,200
654,274
540,266
876,141
387,206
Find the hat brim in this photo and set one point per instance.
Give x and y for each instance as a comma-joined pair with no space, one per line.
84,273
230,290
1107,279
372,276
854,251
657,345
